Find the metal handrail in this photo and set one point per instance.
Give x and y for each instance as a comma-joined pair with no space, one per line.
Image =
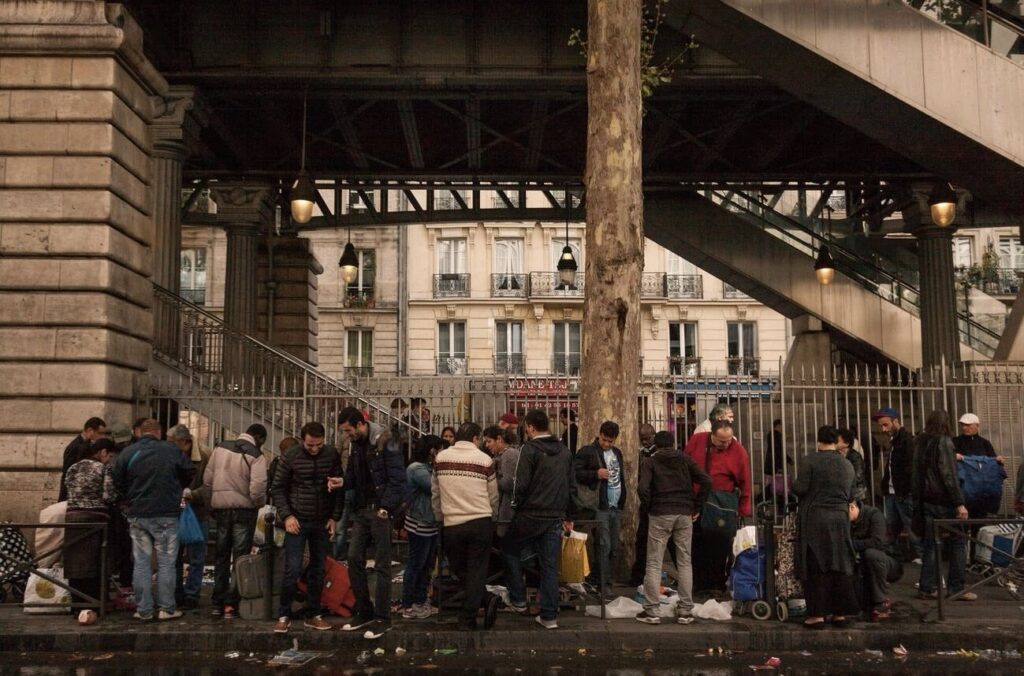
848,262
257,346
983,14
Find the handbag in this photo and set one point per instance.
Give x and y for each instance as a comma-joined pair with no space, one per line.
189,531
721,511
586,499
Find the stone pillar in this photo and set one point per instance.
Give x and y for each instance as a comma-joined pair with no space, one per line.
76,99
173,132
940,336
292,316
244,211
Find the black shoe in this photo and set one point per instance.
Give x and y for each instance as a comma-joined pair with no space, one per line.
357,623
490,612
377,629
189,604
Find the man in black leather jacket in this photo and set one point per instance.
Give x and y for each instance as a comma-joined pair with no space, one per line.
899,466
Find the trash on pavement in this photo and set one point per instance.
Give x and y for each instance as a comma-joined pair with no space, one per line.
446,651
294,657
618,608
378,652
104,656
900,651
400,651
875,653
712,610
363,657
232,655
773,662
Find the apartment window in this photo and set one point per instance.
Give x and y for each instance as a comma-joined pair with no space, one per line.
677,265
682,349
566,349
451,347
359,352
192,278
1011,253
508,347
962,252
742,348
361,288
357,204
451,256
508,263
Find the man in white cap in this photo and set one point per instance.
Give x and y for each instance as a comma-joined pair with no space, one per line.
970,442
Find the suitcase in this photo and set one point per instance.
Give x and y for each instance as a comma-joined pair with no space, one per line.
997,544
251,574
787,586
252,609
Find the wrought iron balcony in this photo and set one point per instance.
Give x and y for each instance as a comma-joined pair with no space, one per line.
451,285
547,284
510,285
1007,282
565,364
358,371
684,366
652,285
452,365
743,366
360,300
730,291
684,286
510,363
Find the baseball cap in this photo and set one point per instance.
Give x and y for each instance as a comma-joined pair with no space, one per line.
509,419
120,433
886,412
969,419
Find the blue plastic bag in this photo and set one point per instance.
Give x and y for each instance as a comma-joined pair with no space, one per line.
981,480
189,530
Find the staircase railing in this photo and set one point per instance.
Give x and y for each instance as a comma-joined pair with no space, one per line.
219,362
997,24
891,287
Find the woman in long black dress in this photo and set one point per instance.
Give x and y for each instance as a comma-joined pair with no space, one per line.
825,555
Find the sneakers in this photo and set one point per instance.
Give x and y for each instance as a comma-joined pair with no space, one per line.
685,619
230,613
357,623
917,562
520,609
547,624
282,626
316,622
144,618
647,617
377,629
217,611
164,615
417,611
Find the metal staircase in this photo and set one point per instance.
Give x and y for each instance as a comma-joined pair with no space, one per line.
203,367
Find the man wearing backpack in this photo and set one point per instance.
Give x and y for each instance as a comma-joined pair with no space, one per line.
236,480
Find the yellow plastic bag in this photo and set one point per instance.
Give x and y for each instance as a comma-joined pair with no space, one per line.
573,566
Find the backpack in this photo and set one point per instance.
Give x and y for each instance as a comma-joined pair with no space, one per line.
981,481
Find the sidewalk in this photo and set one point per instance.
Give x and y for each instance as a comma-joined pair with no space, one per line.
995,621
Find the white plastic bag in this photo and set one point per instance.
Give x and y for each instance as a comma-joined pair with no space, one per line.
745,538
258,538
41,590
616,609
713,610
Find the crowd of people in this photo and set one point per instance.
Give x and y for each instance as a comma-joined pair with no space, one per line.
496,502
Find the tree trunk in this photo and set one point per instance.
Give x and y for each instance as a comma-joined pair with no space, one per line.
615,239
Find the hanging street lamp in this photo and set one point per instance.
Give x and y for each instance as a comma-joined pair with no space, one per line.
302,195
942,203
567,262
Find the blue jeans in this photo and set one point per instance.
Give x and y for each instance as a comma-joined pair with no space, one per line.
899,512
606,545
235,531
195,556
513,553
149,533
315,534
366,525
548,546
954,552
417,569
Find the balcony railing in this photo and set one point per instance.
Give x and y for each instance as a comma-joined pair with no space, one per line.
652,285
452,365
1007,282
451,285
358,371
684,286
510,285
360,300
509,363
547,284
730,291
684,366
565,364
197,296
743,366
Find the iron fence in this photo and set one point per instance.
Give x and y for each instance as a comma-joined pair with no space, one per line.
684,286
652,285
510,285
548,284
451,285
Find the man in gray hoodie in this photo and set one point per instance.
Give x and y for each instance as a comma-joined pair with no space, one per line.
665,488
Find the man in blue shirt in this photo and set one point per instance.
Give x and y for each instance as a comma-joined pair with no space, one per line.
599,466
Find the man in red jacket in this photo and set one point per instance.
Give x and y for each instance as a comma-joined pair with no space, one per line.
722,456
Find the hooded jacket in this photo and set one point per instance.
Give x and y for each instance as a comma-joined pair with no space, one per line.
544,477
236,475
666,483
300,485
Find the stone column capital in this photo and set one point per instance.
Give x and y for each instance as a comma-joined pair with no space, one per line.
918,213
932,231
241,205
178,119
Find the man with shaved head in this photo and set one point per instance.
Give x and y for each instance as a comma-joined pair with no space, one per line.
152,474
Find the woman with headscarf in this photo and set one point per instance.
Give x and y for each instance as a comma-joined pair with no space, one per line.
825,555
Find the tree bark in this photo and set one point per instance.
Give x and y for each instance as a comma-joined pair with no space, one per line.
615,239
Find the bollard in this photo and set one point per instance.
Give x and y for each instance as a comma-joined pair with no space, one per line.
268,547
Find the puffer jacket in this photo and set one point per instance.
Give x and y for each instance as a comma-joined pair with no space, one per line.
935,481
236,475
386,467
544,477
300,485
